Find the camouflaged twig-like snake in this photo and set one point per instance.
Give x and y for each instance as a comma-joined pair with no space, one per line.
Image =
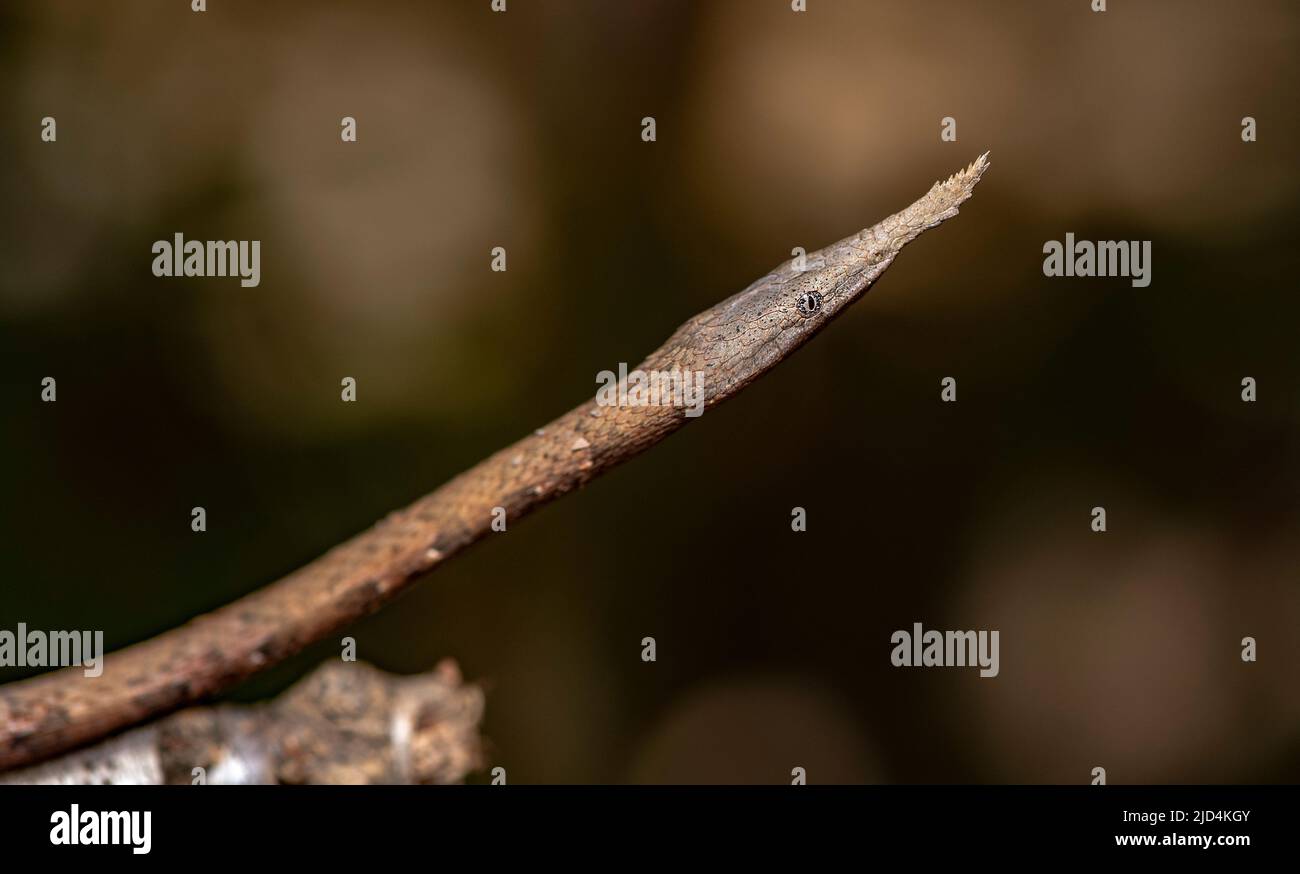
732,344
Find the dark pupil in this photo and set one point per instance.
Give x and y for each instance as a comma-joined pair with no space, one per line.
808,303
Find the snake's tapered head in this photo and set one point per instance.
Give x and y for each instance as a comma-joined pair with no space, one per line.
842,272
742,337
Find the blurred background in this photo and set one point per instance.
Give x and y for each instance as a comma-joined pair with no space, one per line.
775,129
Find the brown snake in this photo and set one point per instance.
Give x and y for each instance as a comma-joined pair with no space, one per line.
732,343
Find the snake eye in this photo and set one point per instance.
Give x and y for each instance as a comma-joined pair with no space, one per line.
809,303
